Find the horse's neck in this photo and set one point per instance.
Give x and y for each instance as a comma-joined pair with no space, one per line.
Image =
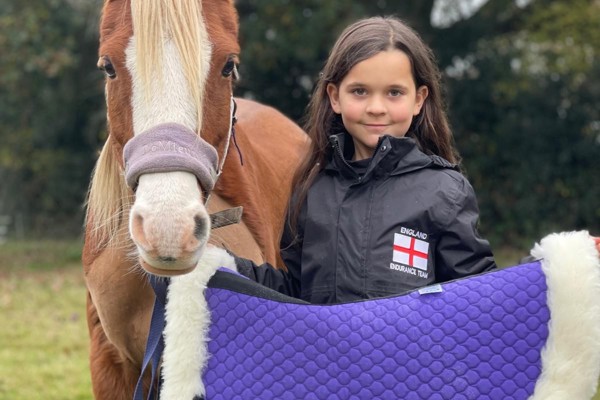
257,172
236,238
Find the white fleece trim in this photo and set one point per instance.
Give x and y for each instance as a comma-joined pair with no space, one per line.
571,356
187,322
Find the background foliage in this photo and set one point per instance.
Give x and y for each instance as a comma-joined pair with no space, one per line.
522,89
51,111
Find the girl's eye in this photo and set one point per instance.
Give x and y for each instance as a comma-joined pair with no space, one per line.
395,93
359,91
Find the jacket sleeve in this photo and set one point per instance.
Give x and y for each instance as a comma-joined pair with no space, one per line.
460,250
285,282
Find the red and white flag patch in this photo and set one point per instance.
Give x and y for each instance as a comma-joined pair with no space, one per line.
410,251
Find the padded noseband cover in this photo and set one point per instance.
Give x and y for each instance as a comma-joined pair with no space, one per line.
170,147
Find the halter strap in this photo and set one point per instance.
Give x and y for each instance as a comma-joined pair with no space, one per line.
232,121
233,215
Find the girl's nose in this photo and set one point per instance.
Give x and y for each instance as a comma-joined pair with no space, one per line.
376,106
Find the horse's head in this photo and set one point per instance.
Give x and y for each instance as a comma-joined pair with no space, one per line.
169,67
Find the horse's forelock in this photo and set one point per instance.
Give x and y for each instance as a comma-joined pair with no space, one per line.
182,22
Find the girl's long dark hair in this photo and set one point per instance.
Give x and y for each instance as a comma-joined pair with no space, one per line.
358,42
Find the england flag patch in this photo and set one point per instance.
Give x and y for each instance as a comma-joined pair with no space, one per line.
410,251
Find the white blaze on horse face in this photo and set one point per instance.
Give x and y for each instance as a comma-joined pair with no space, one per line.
167,99
168,221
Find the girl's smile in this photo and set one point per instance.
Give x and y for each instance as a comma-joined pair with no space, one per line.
379,128
376,129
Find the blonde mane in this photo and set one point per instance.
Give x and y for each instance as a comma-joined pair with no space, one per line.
181,21
109,199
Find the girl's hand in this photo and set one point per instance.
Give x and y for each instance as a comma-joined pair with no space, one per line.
597,240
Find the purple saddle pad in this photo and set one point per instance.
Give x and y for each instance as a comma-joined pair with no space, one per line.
480,337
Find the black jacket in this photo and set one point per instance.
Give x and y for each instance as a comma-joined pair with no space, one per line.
407,221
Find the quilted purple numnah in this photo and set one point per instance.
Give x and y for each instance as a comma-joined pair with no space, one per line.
479,339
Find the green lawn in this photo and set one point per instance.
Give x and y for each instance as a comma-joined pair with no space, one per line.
43,332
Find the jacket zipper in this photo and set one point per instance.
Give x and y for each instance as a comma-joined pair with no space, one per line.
338,150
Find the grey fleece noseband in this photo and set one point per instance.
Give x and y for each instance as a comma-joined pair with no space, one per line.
167,148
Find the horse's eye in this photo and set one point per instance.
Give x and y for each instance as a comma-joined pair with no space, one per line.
230,69
105,65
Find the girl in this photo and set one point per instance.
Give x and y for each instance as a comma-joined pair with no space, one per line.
379,206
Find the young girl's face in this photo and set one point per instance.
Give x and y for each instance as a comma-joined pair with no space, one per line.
378,96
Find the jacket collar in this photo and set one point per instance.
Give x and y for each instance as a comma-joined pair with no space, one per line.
392,156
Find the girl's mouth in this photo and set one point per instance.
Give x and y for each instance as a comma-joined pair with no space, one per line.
378,128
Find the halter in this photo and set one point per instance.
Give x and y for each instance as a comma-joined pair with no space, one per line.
167,148
230,134
173,147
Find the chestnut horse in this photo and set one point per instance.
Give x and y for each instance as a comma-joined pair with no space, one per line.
173,64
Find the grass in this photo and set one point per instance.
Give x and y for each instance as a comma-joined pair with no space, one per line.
44,351
43,331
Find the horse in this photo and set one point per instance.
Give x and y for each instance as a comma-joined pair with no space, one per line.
170,72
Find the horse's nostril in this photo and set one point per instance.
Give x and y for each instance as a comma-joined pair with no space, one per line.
137,230
200,228
167,259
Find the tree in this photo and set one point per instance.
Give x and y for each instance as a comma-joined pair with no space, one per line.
522,90
51,112
526,104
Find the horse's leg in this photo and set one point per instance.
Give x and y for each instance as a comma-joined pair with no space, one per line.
113,376
119,308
